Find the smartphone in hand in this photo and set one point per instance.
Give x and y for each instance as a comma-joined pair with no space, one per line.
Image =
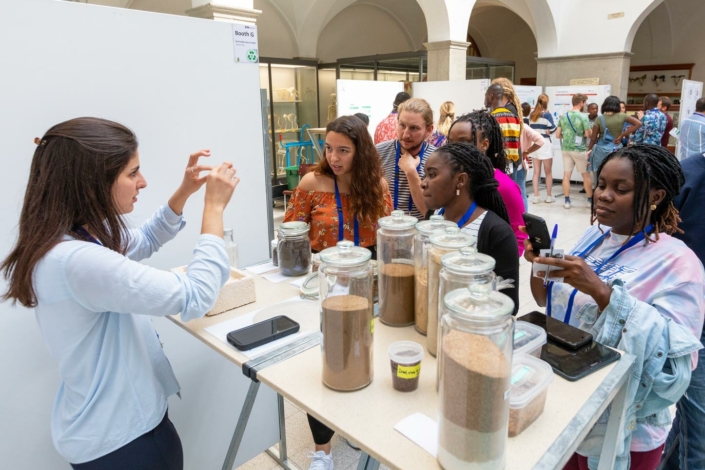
538,232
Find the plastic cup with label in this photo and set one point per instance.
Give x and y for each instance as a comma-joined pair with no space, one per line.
405,358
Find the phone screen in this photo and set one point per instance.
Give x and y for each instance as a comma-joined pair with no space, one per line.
574,365
263,330
564,334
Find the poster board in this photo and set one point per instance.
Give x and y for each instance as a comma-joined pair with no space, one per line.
560,102
528,94
468,95
370,97
145,70
691,92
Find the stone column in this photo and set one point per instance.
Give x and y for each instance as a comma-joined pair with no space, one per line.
611,69
447,60
231,11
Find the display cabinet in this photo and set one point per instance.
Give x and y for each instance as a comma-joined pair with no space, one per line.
291,89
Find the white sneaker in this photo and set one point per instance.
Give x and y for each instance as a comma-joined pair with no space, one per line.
536,200
320,461
566,205
550,199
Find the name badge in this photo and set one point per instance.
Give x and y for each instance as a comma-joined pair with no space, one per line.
578,140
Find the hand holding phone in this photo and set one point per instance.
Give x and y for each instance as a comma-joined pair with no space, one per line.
538,232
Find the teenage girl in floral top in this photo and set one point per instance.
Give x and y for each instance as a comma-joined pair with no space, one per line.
351,172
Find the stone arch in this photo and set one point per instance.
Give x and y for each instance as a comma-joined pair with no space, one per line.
319,14
629,41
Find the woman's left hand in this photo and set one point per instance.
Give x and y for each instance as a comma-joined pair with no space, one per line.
575,272
193,180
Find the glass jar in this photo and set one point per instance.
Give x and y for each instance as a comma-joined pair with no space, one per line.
231,247
448,241
294,249
476,360
395,260
460,269
345,281
424,230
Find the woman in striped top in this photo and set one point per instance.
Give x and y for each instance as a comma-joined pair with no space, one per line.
542,122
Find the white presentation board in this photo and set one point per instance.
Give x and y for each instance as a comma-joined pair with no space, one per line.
175,82
468,95
528,94
559,102
691,92
376,99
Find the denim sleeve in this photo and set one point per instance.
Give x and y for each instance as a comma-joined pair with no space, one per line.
102,280
154,233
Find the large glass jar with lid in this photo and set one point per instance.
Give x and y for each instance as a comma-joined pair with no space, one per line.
460,269
294,249
395,259
476,360
422,242
345,278
448,241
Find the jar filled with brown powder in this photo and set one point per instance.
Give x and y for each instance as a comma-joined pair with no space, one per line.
347,323
395,258
476,357
422,242
448,241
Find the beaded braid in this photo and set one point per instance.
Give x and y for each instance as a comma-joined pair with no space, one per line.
489,127
466,158
654,168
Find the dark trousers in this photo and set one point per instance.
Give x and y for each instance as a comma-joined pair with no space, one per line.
158,449
322,434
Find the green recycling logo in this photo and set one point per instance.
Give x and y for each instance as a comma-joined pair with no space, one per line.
252,55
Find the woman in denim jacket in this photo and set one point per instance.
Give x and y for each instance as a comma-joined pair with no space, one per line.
635,288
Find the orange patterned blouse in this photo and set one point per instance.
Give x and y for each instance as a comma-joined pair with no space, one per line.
319,209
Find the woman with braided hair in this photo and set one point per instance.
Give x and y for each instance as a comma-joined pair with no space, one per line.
632,285
460,183
482,130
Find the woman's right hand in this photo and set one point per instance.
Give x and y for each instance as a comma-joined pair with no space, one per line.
220,185
529,254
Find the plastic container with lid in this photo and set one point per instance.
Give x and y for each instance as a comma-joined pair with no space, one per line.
422,242
395,260
442,243
294,249
530,380
528,338
345,285
405,358
476,361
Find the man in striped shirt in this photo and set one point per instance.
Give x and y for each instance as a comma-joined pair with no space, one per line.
404,158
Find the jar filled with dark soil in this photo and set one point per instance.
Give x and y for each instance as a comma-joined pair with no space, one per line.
395,258
347,323
476,360
294,249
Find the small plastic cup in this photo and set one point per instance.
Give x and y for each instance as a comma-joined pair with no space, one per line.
405,358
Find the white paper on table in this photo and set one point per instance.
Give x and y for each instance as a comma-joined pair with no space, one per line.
298,282
222,329
277,276
421,430
261,268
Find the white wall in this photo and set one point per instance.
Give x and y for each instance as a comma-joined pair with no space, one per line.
275,34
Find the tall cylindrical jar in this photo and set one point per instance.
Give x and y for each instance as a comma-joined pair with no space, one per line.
345,278
294,249
476,356
448,241
460,269
395,260
422,242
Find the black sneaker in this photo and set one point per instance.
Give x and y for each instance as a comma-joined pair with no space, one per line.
582,191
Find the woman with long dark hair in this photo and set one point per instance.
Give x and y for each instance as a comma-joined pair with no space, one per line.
460,183
633,286
351,173
76,263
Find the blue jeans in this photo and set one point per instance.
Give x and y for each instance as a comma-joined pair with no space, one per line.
685,447
519,176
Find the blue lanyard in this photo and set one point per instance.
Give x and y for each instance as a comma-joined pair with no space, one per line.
639,237
464,219
396,174
80,230
341,223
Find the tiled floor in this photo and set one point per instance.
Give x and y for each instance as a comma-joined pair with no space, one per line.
571,222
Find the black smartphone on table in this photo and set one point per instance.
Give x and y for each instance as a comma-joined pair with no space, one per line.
538,232
561,333
574,365
263,332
